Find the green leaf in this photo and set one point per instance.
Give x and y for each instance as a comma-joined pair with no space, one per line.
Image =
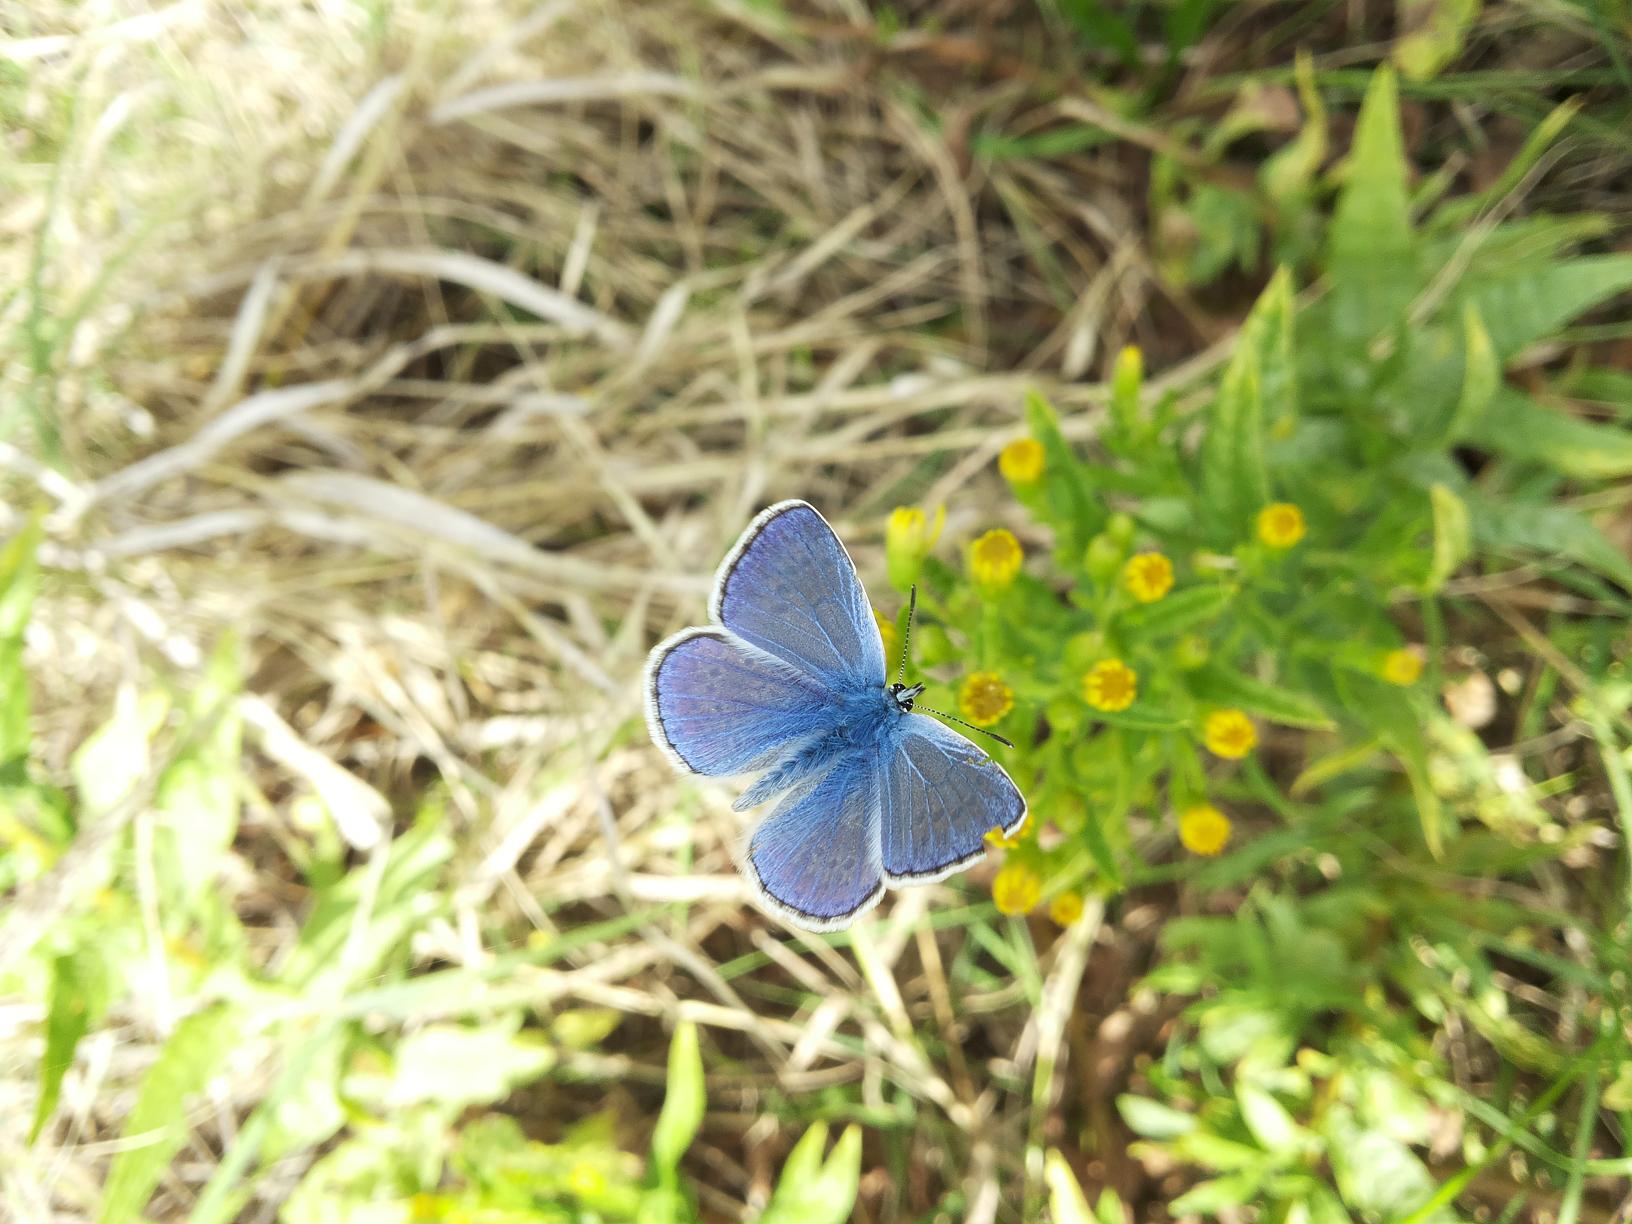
1070,504
157,1126
19,578
1066,1202
1138,718
1180,612
683,1101
1548,531
1289,174
1234,473
77,1000
1481,375
1271,1125
1525,430
1524,302
811,1191
1213,1196
1152,1119
113,760
456,1065
1220,686
1371,249
1453,536
1435,32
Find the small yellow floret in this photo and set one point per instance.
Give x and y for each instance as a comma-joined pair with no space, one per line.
1021,461
1402,667
1016,889
983,698
1110,685
1203,829
995,558
1148,576
1066,908
1229,733
1281,525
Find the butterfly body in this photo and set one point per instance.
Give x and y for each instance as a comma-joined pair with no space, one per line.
790,684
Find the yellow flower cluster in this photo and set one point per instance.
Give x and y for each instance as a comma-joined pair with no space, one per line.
1148,576
1110,685
1229,734
1203,829
1016,888
995,559
983,698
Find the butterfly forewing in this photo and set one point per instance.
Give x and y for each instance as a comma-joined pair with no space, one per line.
939,796
719,707
790,588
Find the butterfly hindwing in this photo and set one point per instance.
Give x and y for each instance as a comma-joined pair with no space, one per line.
718,706
815,858
790,588
939,795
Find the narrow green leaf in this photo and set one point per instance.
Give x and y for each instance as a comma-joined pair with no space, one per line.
1066,1202
1548,531
811,1191
1152,1119
1268,1120
1520,428
1211,1197
1180,612
1435,32
1234,474
19,578
1289,174
76,1001
1070,504
1138,718
1453,536
683,1101
1221,686
1481,375
156,1127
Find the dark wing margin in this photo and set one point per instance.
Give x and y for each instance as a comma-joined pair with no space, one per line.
939,795
717,706
790,588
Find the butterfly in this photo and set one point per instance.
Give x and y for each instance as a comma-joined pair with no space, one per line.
789,683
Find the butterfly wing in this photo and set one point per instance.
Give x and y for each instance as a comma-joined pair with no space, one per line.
815,858
939,795
789,588
718,706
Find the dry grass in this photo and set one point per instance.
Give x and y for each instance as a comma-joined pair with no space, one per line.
440,363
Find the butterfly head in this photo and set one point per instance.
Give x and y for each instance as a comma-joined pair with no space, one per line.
905,695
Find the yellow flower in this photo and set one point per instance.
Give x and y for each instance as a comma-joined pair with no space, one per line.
1203,829
1281,525
1229,733
1066,908
908,537
1110,685
889,633
1016,889
1402,667
1021,461
1148,576
995,558
983,698
585,1180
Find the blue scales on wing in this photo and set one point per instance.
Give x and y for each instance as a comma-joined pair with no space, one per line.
816,855
722,707
939,796
790,588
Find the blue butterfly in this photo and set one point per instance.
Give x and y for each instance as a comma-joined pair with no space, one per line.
789,682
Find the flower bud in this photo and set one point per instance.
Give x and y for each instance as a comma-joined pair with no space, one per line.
907,540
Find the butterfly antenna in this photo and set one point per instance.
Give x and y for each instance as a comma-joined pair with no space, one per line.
906,638
917,709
